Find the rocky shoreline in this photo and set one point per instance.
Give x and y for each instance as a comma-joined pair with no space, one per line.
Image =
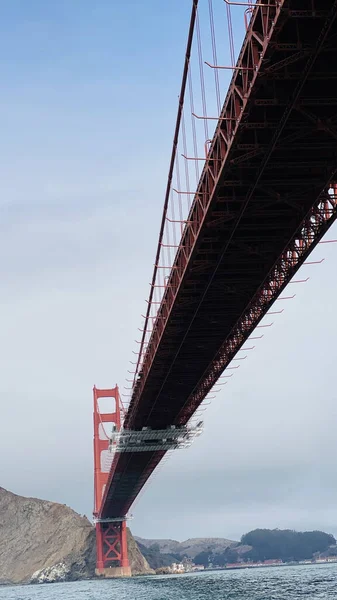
45,542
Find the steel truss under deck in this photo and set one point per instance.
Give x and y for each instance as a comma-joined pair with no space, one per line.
266,196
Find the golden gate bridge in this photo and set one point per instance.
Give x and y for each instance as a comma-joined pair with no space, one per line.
251,190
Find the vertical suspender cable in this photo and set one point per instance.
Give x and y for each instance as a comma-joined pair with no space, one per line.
170,174
187,173
215,57
230,34
202,79
194,131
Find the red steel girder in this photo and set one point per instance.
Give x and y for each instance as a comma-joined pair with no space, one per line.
251,60
316,223
254,283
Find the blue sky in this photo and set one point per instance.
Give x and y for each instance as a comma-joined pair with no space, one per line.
86,87
87,110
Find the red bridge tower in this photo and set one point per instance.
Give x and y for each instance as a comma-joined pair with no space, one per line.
111,537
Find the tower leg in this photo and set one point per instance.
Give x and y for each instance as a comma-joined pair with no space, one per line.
112,553
111,537
99,547
124,546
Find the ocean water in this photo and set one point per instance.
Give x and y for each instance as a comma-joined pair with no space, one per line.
317,582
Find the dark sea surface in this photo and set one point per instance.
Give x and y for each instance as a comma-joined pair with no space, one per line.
317,582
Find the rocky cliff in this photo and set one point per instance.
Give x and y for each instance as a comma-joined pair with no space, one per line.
38,535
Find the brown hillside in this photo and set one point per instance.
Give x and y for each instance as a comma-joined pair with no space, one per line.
36,534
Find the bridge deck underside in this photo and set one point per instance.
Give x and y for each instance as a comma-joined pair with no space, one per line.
282,156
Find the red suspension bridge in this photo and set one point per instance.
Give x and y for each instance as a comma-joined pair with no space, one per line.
245,205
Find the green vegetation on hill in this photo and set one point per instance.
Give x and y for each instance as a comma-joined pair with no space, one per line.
218,559
155,558
265,544
285,544
256,546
